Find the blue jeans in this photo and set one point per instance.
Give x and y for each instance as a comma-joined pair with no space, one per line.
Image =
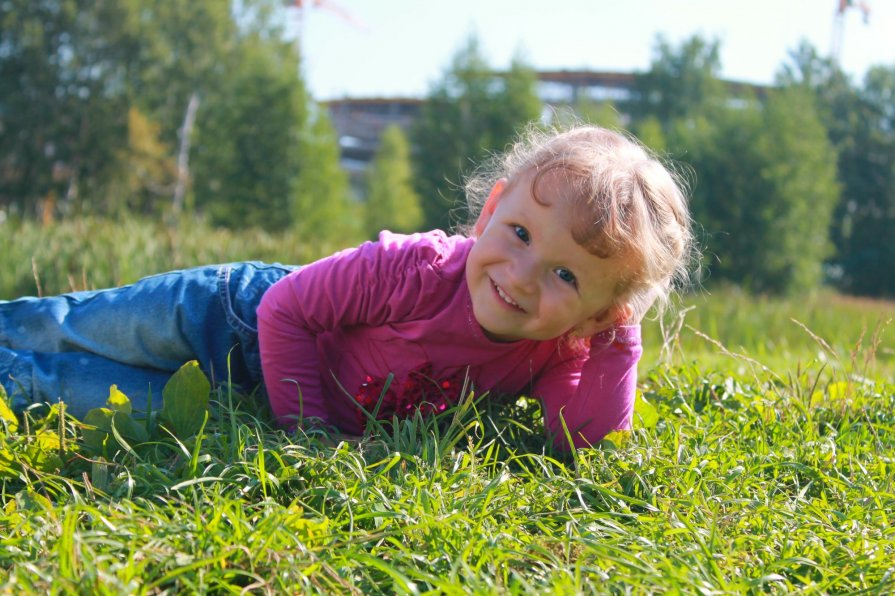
74,346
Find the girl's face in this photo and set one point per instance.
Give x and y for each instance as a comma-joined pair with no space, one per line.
528,278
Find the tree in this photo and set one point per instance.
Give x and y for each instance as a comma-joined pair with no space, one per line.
808,69
471,112
320,207
93,96
63,119
723,153
861,127
765,191
248,137
681,82
590,111
392,202
649,131
151,170
801,169
865,221
185,50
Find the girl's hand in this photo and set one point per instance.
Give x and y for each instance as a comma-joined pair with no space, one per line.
628,316
614,316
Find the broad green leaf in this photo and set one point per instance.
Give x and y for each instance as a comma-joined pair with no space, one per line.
838,394
98,429
616,438
309,531
118,401
764,408
132,431
185,400
6,412
31,500
43,452
8,469
645,412
100,419
98,426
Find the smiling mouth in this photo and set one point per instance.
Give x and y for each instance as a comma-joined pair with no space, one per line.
506,297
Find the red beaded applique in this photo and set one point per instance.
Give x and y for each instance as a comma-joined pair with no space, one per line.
418,390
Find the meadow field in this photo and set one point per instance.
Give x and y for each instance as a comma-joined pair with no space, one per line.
762,461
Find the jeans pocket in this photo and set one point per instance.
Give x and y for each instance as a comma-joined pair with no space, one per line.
240,289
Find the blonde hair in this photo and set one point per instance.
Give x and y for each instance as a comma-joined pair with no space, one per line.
626,202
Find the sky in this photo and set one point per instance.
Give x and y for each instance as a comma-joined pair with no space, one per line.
400,48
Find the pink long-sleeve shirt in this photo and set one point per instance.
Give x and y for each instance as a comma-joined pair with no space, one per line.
331,332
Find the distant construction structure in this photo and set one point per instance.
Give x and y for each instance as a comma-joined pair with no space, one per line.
842,6
360,121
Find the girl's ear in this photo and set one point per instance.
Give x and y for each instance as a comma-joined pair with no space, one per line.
618,314
490,205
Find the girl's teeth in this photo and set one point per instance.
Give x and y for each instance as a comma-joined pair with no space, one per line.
506,298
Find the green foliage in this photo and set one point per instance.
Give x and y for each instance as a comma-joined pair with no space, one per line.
321,208
89,253
118,78
170,57
765,186
57,60
248,156
106,431
39,447
8,420
682,82
470,113
152,168
165,59
801,170
724,152
860,124
779,482
392,203
649,132
602,113
589,111
185,400
737,477
866,215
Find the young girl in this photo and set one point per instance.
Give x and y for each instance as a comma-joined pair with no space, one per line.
578,234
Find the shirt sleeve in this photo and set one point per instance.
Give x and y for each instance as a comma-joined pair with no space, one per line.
594,392
372,284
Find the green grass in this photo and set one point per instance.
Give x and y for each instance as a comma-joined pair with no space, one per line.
90,253
766,465
738,487
728,328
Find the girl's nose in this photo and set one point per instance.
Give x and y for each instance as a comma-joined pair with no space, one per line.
524,274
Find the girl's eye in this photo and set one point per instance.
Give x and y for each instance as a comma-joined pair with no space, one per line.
567,276
522,234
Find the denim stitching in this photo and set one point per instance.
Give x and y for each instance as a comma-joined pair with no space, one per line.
233,319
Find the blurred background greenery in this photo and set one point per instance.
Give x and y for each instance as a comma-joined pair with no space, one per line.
138,137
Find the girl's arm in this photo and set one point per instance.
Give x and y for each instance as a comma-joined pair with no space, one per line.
289,359
594,395
371,285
